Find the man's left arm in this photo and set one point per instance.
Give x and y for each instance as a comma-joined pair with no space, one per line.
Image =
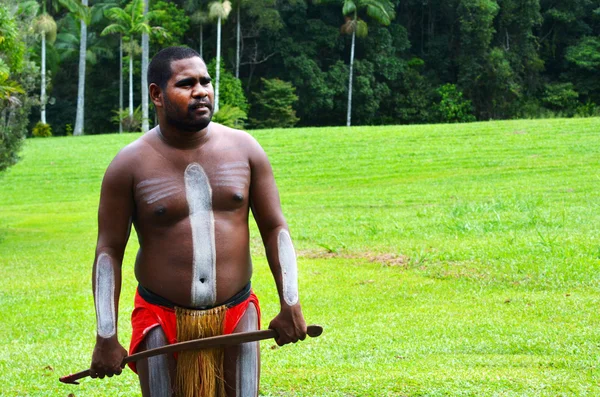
266,207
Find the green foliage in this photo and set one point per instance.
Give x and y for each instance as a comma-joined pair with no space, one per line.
17,81
172,19
130,123
588,109
561,97
274,105
230,116
230,88
453,108
586,54
42,130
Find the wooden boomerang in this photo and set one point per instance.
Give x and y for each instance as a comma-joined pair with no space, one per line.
198,344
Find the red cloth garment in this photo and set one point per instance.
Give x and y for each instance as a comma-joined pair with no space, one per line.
147,316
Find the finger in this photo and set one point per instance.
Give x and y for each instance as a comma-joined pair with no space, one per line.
93,374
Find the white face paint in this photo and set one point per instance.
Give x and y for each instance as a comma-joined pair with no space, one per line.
105,297
156,189
289,269
247,360
199,197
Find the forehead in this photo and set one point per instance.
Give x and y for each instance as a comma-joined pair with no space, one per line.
188,67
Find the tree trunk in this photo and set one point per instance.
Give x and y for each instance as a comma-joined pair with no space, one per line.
81,84
120,83
201,41
145,56
43,85
349,115
130,84
218,66
237,43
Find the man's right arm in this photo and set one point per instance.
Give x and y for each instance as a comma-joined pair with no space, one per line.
114,224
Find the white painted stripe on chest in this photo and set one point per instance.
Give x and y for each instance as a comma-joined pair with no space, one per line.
156,189
289,268
199,197
105,297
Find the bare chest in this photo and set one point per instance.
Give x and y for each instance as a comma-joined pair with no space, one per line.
168,194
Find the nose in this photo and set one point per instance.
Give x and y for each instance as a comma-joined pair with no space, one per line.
199,91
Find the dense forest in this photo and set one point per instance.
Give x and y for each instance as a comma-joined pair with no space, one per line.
413,61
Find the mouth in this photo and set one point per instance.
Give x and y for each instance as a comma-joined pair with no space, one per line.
200,107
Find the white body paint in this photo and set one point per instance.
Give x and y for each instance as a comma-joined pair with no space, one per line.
156,189
247,360
105,297
289,268
158,366
199,197
234,174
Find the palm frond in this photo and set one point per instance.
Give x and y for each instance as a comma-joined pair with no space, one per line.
349,7
199,17
380,10
113,29
118,15
46,24
218,9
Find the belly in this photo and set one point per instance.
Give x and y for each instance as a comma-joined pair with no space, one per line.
193,267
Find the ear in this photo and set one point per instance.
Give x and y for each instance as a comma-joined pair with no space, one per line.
156,95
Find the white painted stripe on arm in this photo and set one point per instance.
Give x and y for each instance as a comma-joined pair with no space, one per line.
289,268
105,297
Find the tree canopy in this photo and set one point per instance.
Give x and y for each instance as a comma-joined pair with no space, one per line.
421,62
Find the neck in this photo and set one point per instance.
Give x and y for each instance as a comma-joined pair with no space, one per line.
182,139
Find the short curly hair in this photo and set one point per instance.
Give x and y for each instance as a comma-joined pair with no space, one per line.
159,70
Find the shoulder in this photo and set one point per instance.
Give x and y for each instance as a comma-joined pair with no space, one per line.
128,159
241,139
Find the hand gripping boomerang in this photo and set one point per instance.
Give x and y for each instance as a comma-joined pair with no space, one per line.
197,344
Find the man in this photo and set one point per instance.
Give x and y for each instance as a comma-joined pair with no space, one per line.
187,187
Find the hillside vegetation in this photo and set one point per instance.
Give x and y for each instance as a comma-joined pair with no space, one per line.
442,260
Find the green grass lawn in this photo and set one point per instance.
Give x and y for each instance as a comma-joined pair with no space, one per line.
446,260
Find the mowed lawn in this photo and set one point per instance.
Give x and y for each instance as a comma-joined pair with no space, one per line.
446,260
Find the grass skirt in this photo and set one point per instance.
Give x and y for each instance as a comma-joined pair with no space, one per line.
200,372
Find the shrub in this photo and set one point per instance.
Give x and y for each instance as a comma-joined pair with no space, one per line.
453,108
42,130
130,123
230,116
561,97
274,105
230,88
588,109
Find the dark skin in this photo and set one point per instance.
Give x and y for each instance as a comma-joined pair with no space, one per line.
164,262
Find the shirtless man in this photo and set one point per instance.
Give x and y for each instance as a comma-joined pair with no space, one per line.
187,187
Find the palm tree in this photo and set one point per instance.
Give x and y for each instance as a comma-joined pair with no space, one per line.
81,12
118,28
238,33
218,10
200,18
46,27
128,22
382,11
145,56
